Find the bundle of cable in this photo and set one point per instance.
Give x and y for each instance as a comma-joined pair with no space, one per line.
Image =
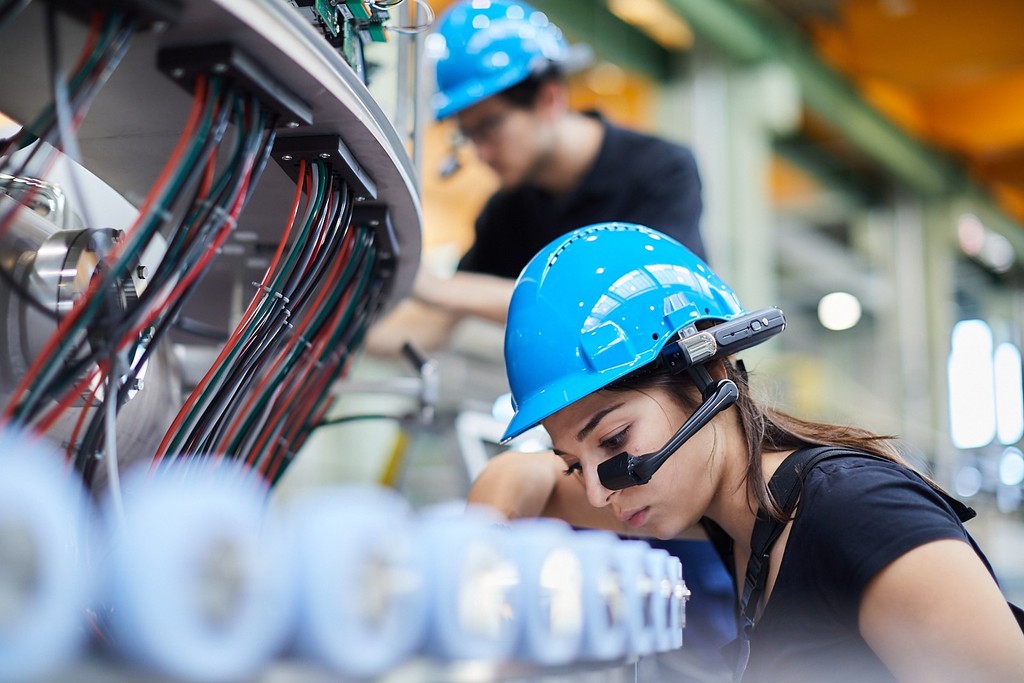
198,584
362,595
46,585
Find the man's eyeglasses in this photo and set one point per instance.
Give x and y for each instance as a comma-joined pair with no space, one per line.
486,130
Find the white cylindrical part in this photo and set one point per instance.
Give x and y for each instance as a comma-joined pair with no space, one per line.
46,578
661,598
474,585
677,606
362,596
604,599
550,574
199,584
639,592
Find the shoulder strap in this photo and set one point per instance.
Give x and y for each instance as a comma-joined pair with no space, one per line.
784,487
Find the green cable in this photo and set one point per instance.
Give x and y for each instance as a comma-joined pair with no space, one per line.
264,307
57,358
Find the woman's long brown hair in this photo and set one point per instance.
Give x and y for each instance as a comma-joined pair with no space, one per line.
765,429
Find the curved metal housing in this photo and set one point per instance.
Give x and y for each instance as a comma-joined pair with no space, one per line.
128,135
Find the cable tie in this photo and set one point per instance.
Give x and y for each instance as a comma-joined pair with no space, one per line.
220,212
162,215
272,292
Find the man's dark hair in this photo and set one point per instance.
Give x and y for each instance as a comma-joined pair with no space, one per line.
523,95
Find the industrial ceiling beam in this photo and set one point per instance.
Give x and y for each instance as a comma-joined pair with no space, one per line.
609,37
751,32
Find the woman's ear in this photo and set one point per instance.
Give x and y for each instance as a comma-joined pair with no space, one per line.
717,369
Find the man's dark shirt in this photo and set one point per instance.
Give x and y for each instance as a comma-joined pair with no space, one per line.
635,178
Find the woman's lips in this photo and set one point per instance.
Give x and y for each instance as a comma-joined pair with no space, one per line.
635,518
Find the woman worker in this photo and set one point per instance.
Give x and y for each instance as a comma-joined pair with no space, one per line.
620,342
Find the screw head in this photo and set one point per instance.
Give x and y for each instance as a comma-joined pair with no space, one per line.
220,68
286,157
292,124
325,155
177,73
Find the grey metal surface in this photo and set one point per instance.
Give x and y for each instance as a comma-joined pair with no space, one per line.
133,124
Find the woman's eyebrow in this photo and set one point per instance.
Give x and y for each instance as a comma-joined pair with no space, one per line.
597,417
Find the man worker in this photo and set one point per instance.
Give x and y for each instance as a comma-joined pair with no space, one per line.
500,73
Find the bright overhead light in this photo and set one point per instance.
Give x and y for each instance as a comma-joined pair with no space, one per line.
839,311
988,247
1009,394
1011,467
971,378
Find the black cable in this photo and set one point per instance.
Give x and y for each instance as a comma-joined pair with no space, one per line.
255,151
251,147
339,289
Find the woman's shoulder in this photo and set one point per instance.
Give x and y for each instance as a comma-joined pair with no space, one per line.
870,499
863,480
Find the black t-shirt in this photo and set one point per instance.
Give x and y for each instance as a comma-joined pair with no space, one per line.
855,516
635,178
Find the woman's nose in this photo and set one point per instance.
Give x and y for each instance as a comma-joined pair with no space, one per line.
597,494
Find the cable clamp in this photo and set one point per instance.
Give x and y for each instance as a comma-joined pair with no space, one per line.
271,292
219,212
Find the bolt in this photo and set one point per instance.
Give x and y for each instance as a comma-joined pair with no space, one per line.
141,272
360,198
292,124
374,223
286,157
177,73
220,68
158,26
325,155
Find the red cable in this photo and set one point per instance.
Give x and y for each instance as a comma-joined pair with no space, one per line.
43,425
80,304
313,356
311,310
235,335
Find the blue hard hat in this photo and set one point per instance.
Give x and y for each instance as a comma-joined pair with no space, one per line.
482,47
597,304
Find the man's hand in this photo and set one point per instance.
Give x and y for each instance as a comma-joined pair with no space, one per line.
475,294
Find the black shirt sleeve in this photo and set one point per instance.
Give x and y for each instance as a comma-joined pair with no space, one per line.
669,200
861,515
